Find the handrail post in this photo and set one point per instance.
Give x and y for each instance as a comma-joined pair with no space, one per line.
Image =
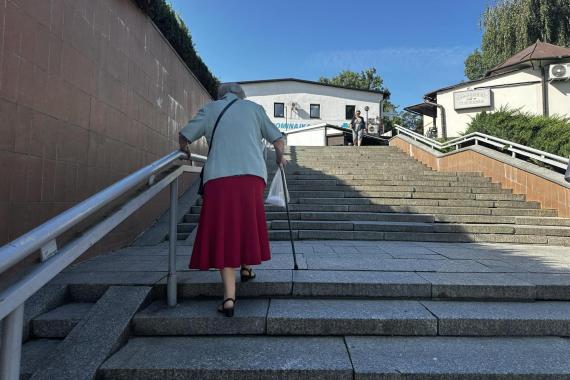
11,350
171,285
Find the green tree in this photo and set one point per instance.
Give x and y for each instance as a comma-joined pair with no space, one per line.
475,67
512,25
367,79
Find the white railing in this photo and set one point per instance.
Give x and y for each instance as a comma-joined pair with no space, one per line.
516,150
44,237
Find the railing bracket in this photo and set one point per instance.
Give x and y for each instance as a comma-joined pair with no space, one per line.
49,250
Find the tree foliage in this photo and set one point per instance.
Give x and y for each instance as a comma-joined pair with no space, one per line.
551,134
512,25
367,79
179,37
475,66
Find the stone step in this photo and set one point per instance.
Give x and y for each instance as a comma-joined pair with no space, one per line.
459,358
59,322
318,316
416,226
461,219
416,202
352,226
363,168
338,216
435,210
441,213
413,202
366,171
361,275
407,188
35,355
386,177
450,237
185,228
260,358
364,357
406,194
382,182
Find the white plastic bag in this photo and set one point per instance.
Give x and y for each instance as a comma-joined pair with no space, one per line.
277,190
567,175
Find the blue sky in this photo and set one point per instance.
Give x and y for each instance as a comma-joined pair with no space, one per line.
416,45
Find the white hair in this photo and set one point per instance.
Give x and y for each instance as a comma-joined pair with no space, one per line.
233,88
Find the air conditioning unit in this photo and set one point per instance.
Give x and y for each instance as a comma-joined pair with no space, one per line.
560,71
373,129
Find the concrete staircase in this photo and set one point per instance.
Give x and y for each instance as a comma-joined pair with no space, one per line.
379,193
320,325
356,308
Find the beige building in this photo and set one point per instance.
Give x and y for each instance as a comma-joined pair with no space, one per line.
535,80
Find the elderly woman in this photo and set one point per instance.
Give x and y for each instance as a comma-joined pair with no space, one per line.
232,232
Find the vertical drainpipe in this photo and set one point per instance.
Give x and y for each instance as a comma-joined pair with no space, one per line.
545,110
382,115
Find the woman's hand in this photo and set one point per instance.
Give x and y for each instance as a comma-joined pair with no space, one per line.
184,144
279,146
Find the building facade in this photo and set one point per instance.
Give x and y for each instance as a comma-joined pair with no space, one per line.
295,104
525,81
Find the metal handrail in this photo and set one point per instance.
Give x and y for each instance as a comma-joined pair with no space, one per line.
477,137
43,237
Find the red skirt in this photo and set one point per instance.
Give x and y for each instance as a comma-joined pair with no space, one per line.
233,230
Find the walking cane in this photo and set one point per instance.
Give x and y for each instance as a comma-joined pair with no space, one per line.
296,267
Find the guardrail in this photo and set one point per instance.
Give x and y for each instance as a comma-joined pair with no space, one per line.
44,237
476,138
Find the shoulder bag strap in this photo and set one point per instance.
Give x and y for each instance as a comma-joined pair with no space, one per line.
217,122
212,141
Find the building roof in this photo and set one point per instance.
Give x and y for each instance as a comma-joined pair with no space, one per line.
537,51
423,109
385,92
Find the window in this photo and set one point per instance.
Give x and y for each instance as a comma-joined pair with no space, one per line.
315,111
350,112
279,109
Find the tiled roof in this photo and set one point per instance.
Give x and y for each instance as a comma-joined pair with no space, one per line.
537,51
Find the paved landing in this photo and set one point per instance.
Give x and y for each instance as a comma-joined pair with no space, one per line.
351,268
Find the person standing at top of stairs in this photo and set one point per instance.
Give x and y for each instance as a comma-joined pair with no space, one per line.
358,126
232,231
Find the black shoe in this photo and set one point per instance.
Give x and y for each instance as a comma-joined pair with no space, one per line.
228,312
249,276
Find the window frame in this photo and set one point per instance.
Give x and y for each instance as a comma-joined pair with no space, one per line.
346,111
282,116
310,111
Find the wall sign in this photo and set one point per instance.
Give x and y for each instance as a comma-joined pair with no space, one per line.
290,126
472,99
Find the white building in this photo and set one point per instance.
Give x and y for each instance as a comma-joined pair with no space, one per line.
535,80
294,104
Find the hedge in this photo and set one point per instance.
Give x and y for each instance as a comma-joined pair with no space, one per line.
550,134
179,37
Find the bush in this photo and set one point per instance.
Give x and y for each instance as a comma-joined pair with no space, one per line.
550,134
179,37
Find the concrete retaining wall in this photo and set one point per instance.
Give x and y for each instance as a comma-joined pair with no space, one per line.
536,183
90,91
